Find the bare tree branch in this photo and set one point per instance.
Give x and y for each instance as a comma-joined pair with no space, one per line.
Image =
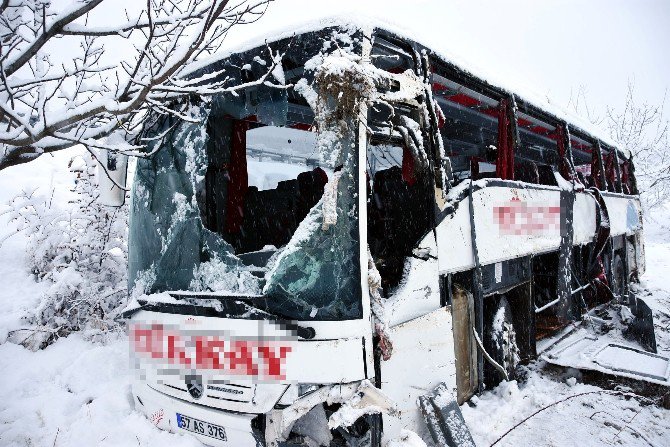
47,104
644,130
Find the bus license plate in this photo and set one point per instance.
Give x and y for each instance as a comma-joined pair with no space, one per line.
201,427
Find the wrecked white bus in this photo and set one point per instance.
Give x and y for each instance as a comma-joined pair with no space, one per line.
360,222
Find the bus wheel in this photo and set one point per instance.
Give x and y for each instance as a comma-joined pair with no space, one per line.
618,279
501,343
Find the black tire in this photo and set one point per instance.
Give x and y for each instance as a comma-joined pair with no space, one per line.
501,344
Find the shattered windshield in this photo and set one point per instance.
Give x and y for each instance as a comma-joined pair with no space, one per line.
236,204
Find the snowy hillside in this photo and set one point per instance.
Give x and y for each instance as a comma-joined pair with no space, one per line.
76,392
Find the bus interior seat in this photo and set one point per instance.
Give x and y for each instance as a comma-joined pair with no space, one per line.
272,216
311,185
490,174
546,175
580,178
589,181
526,171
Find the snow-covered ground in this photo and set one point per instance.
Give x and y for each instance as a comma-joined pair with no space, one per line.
657,278
76,392
594,419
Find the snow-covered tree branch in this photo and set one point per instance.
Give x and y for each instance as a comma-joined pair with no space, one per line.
60,84
643,129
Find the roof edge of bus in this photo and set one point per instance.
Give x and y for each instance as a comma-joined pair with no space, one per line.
305,27
369,24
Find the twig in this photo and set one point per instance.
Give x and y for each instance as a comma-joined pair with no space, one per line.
56,437
618,393
625,425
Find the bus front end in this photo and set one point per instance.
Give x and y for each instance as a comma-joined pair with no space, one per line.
247,323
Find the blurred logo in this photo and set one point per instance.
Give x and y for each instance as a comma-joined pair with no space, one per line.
156,417
522,218
263,358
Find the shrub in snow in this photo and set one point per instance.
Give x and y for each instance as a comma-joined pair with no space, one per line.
80,250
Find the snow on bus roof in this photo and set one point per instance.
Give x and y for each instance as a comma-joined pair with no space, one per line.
368,24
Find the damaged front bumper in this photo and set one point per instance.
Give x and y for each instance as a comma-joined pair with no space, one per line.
161,409
273,429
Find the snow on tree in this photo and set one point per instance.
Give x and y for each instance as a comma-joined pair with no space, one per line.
643,129
80,250
49,103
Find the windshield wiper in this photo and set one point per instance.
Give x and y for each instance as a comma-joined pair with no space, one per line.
283,321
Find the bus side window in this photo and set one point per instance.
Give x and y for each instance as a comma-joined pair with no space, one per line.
585,160
400,206
610,170
469,130
538,147
479,136
621,180
628,182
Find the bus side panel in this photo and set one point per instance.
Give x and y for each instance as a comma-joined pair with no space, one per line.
423,356
584,219
639,253
625,214
454,240
509,223
513,222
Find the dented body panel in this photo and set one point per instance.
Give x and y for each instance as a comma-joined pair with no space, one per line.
521,220
423,357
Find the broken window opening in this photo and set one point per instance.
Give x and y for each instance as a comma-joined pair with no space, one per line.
400,207
390,57
261,182
233,207
609,158
586,161
540,148
628,183
470,131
